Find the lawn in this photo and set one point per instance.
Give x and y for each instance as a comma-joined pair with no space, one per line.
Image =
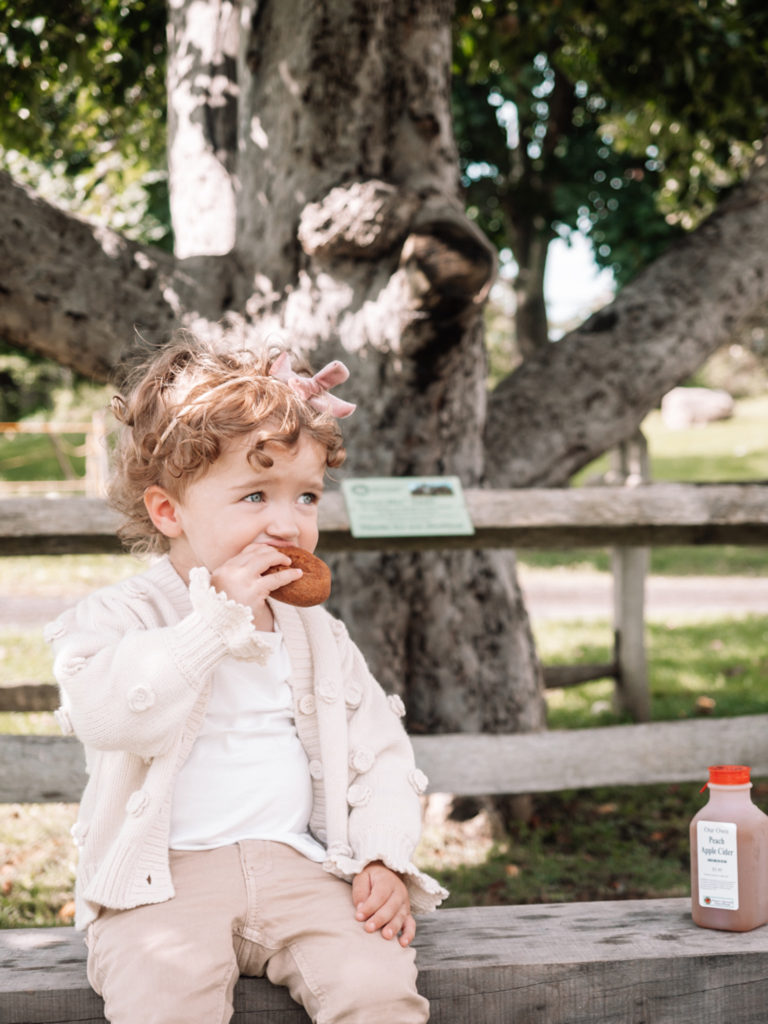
728,451
607,843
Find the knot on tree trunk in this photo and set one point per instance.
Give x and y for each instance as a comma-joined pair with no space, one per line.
362,220
448,262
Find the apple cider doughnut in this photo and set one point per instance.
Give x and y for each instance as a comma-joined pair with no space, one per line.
313,587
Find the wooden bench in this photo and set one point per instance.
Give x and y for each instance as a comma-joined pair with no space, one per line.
623,962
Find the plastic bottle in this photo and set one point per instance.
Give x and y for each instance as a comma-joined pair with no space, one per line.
729,855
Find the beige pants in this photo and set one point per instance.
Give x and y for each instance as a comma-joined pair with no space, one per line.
255,908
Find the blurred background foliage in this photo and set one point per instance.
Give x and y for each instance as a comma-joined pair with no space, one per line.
626,123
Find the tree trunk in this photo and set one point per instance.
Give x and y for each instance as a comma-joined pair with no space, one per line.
354,243
530,250
349,239
338,227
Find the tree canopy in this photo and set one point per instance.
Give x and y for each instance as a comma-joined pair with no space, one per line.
83,108
626,122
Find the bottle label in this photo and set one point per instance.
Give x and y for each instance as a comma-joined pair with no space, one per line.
718,865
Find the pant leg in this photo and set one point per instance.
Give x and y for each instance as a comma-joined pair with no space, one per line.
302,920
173,962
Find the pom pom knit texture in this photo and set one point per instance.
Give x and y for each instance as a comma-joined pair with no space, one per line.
134,663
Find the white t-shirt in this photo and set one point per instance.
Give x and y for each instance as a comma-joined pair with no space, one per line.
247,776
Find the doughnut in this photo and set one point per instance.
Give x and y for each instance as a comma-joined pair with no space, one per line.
313,587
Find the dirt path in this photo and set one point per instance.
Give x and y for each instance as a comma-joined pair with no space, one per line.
549,595
575,595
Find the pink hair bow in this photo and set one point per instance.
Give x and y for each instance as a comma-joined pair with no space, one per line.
316,390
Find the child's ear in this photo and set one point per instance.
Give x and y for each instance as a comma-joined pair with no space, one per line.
163,511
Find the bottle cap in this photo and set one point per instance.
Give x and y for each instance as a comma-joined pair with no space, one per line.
728,775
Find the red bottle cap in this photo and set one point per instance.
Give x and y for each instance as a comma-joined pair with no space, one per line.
728,774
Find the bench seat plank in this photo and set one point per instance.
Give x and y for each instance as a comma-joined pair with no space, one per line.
622,962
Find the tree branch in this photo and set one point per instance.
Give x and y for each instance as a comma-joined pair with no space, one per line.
65,285
604,377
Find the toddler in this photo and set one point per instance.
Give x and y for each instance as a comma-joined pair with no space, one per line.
252,803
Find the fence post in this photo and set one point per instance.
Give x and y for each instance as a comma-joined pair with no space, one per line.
630,567
96,457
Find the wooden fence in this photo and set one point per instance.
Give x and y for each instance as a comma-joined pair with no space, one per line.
94,450
50,768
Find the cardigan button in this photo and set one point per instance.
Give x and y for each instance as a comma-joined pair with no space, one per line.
418,780
361,760
137,802
358,796
53,631
353,695
307,704
328,689
73,666
140,698
396,705
316,769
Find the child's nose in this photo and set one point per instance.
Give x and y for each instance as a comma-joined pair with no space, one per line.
282,523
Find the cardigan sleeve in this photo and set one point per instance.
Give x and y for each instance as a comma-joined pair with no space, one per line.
128,679
385,815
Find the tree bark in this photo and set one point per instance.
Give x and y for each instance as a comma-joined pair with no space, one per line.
74,292
530,247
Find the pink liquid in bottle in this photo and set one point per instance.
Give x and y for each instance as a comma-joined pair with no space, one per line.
729,855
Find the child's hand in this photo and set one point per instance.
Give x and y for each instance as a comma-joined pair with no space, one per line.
381,901
242,579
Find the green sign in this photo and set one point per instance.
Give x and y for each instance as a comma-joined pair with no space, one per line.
406,506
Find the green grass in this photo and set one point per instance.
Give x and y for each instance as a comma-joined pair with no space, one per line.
607,843
628,842
716,667
728,451
725,451
707,560
24,657
32,456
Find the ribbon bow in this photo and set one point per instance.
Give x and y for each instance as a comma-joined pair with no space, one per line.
315,390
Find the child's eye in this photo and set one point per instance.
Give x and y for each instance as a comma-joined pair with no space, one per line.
257,496
309,498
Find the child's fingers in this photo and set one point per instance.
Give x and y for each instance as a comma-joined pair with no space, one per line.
382,904
394,926
361,889
408,932
374,896
381,914
275,580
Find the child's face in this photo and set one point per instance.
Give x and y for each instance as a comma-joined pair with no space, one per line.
236,503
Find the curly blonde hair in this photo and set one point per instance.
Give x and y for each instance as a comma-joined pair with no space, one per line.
179,411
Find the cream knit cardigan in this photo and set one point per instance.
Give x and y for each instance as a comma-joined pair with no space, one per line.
134,663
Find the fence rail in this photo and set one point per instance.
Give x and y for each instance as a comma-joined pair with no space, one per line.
535,518
36,768
44,769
